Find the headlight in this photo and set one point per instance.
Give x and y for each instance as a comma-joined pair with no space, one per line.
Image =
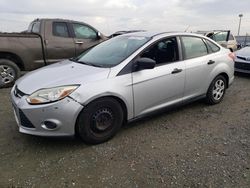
51,94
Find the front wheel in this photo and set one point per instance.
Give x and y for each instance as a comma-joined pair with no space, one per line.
99,121
216,90
9,72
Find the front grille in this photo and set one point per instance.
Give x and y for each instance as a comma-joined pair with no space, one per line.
18,93
245,66
25,122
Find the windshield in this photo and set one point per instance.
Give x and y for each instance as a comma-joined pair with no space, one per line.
112,52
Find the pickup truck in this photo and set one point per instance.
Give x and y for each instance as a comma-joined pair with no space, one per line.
45,42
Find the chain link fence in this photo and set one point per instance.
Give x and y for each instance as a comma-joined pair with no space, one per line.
243,40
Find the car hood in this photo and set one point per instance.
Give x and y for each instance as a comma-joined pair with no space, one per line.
244,52
59,74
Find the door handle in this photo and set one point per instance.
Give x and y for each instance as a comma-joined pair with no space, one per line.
175,71
210,62
79,42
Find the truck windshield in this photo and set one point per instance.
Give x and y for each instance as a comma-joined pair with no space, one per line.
112,52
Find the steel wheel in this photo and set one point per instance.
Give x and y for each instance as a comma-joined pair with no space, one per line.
100,120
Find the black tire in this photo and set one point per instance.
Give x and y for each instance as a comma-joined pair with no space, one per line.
99,121
215,93
9,73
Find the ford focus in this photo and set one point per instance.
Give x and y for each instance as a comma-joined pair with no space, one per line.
118,81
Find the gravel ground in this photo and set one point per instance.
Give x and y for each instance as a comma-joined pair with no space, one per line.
191,146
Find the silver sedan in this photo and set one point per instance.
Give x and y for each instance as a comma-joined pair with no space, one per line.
118,81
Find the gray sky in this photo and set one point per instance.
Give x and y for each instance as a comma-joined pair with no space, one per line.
113,15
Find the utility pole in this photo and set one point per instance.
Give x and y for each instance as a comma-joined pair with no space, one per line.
240,16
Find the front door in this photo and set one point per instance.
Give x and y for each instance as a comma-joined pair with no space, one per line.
84,37
163,85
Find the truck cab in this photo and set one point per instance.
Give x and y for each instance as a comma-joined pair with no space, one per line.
46,41
65,38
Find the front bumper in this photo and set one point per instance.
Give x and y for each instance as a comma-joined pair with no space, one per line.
242,70
31,119
242,66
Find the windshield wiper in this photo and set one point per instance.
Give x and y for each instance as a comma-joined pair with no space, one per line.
85,63
90,64
73,59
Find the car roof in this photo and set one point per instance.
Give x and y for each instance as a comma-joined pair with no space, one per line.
212,31
160,34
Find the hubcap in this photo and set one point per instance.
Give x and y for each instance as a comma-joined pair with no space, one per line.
218,90
102,120
7,74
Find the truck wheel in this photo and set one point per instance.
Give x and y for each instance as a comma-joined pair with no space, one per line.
99,121
9,72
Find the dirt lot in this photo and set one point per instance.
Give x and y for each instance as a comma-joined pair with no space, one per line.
192,146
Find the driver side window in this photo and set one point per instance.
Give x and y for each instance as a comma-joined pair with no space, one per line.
164,51
84,32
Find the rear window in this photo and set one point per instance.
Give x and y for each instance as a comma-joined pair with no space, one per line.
60,29
34,27
213,47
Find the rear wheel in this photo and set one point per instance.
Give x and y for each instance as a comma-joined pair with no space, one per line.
216,90
100,120
9,72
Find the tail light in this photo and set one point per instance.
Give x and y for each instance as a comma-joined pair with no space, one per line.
232,55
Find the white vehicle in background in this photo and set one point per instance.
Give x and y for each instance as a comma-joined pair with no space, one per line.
223,37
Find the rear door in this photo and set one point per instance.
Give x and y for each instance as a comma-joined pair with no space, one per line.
84,37
199,62
59,43
163,85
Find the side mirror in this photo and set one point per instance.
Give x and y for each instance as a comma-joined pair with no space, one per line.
99,35
145,63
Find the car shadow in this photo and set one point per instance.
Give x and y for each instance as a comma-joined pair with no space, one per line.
56,141
168,111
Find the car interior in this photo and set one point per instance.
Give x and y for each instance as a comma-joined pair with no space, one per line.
164,51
